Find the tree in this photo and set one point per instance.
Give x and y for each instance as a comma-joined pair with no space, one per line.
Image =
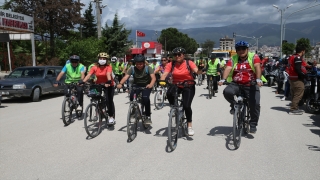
116,38
305,42
89,28
172,38
288,48
53,17
207,47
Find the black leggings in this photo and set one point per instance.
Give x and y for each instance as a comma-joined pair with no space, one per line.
187,97
108,94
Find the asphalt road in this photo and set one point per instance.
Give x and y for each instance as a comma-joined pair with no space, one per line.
35,144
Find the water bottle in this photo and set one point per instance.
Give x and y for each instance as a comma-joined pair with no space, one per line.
74,99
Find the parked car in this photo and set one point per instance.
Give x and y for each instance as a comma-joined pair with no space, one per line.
31,81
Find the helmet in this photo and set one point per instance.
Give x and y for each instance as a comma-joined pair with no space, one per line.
74,58
113,59
139,58
120,59
242,44
178,50
103,54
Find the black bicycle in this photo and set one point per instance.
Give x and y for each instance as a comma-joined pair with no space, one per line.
135,113
241,116
95,111
69,104
177,119
210,88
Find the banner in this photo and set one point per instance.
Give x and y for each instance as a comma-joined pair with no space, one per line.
12,21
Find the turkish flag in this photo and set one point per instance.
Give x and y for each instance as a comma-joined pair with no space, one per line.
141,34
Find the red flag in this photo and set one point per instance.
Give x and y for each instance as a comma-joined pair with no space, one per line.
141,34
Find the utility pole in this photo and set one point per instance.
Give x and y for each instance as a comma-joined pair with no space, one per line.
80,23
98,14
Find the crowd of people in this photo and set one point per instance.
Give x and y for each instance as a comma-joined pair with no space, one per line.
244,68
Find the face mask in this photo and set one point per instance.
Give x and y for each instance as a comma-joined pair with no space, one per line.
102,61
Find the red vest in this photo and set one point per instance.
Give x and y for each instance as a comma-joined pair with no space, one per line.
293,75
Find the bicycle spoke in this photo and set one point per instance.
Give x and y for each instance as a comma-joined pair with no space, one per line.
173,130
92,120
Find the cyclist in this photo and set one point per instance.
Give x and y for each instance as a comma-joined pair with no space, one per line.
125,70
213,70
116,68
155,66
244,68
180,72
201,63
74,74
143,76
103,73
160,69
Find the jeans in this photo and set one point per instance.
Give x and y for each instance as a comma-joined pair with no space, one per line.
287,89
79,93
145,98
187,97
252,94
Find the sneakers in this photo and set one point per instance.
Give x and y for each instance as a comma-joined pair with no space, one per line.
216,91
111,120
79,108
190,131
232,110
148,121
283,99
296,112
253,129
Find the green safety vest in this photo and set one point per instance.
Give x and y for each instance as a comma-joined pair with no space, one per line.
115,68
235,62
73,74
212,68
203,61
89,68
154,66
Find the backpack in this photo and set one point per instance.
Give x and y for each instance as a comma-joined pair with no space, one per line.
145,68
188,66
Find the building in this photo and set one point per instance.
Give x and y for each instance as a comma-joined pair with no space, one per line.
149,49
227,44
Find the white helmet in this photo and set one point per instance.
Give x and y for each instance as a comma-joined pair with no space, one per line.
113,59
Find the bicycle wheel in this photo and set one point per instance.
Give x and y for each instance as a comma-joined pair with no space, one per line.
173,129
210,90
92,120
246,117
237,129
66,111
132,123
159,99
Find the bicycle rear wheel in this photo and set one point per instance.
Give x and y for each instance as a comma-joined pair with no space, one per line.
210,89
159,99
173,129
92,120
132,123
66,111
237,128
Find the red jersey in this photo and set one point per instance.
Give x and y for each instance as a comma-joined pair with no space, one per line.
243,74
101,74
180,72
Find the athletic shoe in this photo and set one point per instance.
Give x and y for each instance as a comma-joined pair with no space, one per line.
111,120
232,110
296,112
253,129
79,108
148,121
190,131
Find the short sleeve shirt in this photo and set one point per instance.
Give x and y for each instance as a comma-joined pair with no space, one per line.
243,74
64,69
180,72
101,74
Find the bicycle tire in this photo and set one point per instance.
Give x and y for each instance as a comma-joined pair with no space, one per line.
92,114
173,130
236,129
159,105
66,112
210,90
132,126
246,117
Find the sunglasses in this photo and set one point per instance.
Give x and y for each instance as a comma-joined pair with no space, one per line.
178,54
241,48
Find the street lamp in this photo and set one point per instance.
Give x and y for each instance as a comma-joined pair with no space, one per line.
281,25
257,39
304,8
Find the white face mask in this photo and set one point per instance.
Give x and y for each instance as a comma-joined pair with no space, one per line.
102,61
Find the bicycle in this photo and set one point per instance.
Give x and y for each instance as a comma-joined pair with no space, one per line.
160,97
177,119
135,113
116,82
241,116
69,104
210,88
95,111
199,78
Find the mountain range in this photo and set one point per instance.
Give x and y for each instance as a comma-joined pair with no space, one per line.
270,33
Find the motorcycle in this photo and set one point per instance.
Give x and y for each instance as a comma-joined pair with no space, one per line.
271,73
311,94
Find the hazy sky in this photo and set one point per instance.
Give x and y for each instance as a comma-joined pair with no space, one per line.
182,14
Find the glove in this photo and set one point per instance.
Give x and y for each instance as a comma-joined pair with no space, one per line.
80,82
162,83
108,82
258,80
222,81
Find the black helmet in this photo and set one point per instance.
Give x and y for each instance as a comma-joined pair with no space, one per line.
139,58
178,50
74,58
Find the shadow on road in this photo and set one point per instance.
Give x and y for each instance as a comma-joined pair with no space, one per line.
28,99
284,109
